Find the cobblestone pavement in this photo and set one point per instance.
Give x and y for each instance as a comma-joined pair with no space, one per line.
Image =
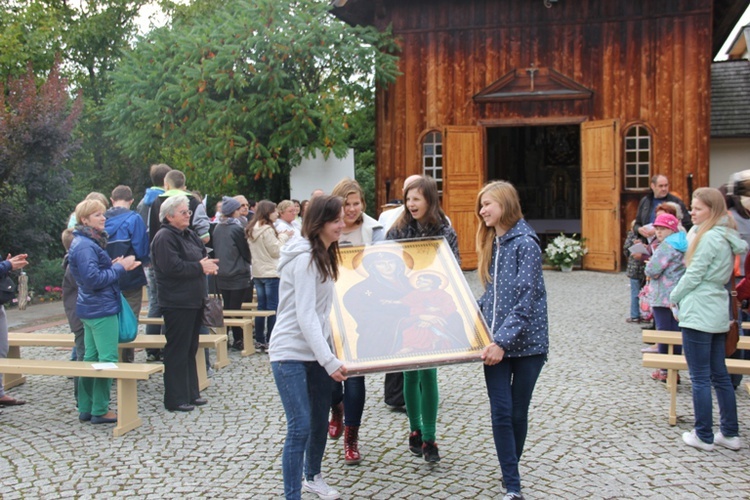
598,429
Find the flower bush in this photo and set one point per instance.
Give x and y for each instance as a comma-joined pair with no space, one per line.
50,293
565,251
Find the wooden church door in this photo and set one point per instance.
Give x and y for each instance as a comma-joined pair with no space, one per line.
463,177
600,203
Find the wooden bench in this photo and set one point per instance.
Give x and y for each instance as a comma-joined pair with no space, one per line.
674,363
245,323
245,319
16,340
126,374
248,338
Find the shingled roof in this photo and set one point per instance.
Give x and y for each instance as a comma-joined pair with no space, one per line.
730,99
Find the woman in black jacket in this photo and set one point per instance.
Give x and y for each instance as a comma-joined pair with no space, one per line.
180,264
230,247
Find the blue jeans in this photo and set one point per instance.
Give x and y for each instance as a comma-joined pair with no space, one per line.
353,395
510,385
305,390
268,300
664,321
635,289
704,353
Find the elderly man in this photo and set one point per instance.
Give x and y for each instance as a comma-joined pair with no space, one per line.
244,209
647,207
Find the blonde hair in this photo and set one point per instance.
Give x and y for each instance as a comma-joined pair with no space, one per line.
506,196
714,200
283,205
88,207
93,195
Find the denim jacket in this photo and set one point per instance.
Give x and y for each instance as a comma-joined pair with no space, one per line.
514,304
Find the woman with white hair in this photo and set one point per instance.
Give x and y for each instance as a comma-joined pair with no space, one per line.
180,264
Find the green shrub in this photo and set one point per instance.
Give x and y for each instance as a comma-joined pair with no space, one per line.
43,274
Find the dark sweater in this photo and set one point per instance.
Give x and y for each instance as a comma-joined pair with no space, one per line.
176,257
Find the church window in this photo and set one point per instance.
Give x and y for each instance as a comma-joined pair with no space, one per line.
637,157
432,157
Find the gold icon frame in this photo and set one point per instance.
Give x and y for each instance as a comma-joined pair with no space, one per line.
404,305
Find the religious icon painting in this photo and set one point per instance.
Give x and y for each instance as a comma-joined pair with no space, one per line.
404,305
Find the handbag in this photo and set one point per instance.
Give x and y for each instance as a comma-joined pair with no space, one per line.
733,336
213,311
644,302
7,290
127,321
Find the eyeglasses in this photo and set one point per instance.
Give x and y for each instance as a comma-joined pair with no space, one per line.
185,212
245,205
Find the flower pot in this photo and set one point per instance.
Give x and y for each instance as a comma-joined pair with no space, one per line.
566,268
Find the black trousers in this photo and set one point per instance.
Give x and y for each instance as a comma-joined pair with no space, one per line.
181,327
233,301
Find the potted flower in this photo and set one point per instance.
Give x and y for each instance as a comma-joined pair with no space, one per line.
564,252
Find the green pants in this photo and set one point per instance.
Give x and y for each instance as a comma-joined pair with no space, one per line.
421,396
101,336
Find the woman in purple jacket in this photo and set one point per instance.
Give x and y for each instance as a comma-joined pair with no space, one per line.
97,305
514,305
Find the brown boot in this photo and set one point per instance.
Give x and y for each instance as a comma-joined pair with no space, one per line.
352,455
336,425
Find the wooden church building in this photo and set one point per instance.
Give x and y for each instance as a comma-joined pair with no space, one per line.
576,102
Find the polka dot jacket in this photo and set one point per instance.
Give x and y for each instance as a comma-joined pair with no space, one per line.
514,304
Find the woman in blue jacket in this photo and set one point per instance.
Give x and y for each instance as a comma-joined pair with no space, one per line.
514,305
704,318
97,305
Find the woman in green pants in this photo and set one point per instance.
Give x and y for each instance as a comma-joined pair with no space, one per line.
423,218
97,305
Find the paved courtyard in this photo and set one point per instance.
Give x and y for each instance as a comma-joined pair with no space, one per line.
598,429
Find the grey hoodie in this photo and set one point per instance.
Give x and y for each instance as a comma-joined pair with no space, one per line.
303,328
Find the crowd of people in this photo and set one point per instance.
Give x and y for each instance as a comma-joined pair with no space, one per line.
685,263
287,253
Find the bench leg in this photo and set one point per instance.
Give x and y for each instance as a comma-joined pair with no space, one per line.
747,386
672,386
127,406
248,338
11,380
200,366
222,358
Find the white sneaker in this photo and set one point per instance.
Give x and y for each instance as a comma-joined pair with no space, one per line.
320,488
692,439
513,496
732,443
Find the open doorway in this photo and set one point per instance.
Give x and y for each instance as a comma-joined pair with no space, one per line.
544,164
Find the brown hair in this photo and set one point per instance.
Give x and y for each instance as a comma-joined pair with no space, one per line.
321,210
122,193
510,213
158,172
346,187
67,238
263,211
434,216
175,179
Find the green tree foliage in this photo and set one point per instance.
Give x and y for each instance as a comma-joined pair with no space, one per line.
31,33
36,127
239,92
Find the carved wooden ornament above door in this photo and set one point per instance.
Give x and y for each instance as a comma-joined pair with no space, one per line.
533,84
